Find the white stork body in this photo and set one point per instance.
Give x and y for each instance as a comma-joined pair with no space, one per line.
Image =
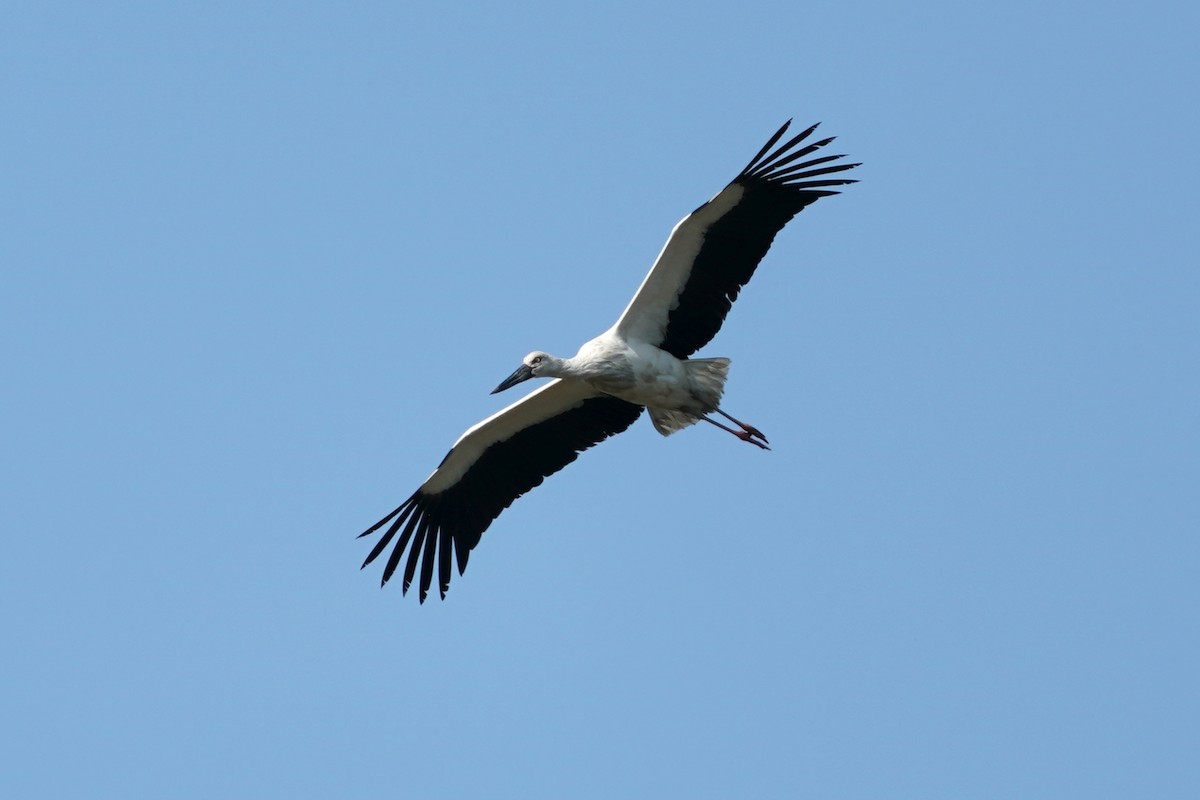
642,361
640,373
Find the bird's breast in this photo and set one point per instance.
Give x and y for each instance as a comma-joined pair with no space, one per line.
653,382
636,373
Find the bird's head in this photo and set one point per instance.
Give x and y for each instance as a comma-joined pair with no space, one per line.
534,365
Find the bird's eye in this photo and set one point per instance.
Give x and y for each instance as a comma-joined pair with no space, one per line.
537,360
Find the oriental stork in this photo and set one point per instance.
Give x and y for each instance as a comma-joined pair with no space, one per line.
641,362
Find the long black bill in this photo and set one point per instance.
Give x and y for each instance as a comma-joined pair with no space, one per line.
523,373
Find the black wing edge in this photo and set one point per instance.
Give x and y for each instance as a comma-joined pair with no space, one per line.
777,188
458,516
778,168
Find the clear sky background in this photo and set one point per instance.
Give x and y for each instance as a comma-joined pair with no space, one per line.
262,264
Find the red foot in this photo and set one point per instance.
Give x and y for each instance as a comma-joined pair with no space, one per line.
753,431
748,436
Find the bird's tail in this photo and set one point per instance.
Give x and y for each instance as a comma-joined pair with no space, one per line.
707,376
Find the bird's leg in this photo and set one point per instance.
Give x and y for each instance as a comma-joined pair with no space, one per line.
750,429
746,434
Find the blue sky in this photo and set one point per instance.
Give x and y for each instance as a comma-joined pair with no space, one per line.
263,263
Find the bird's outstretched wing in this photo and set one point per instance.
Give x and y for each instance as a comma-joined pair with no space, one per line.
714,250
489,467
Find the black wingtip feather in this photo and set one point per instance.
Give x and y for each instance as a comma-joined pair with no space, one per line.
394,559
414,554
427,561
770,143
760,162
385,520
445,562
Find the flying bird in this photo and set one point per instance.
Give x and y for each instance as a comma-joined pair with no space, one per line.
641,362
